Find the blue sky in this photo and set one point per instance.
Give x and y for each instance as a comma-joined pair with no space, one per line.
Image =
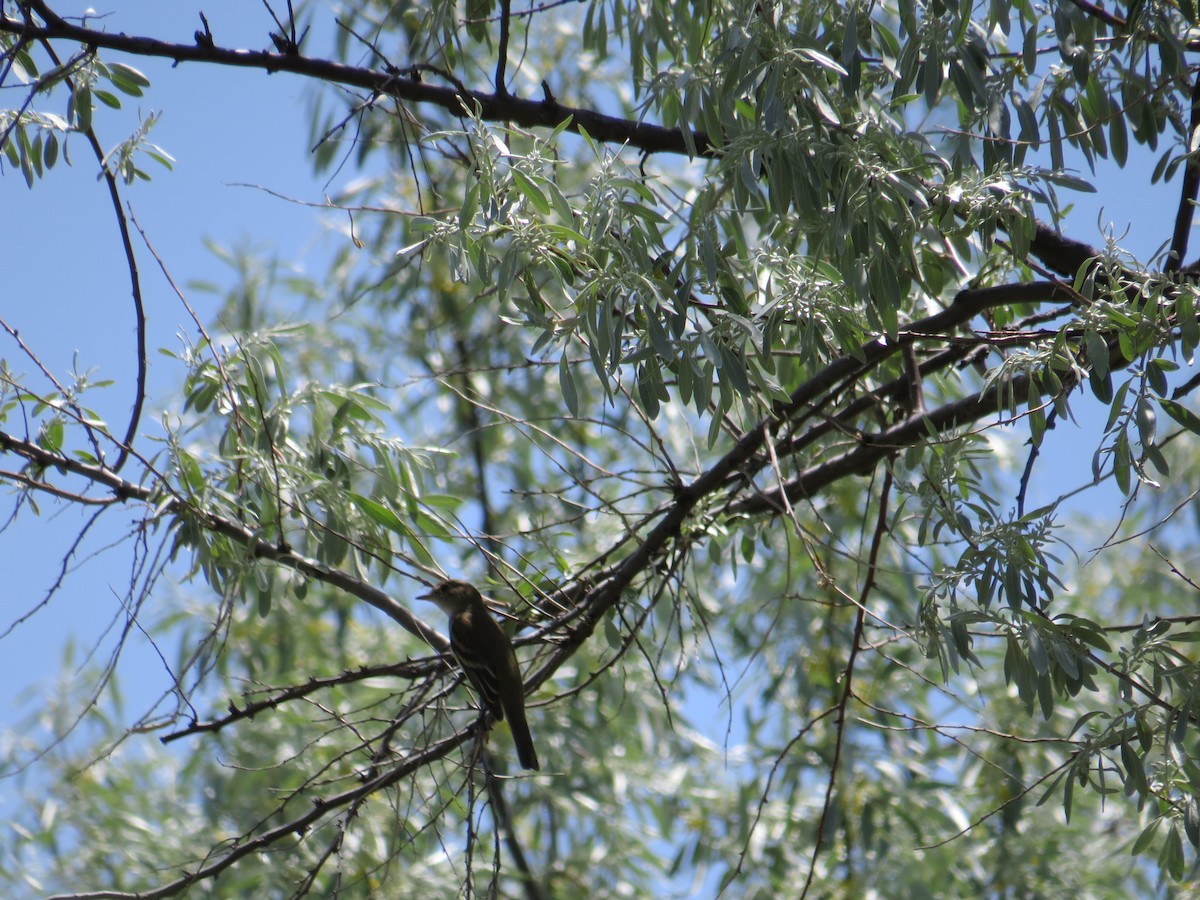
69,295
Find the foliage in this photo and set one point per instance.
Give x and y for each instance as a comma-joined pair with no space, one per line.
708,335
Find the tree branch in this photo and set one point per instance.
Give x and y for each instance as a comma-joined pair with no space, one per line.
1187,198
491,106
502,50
259,549
410,670
1099,12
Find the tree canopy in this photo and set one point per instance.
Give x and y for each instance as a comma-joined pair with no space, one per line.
726,346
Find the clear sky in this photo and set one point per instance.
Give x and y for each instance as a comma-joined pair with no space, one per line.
66,287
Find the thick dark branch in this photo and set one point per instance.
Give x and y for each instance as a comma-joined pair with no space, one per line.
874,448
47,14
967,304
502,50
491,106
1187,199
1062,254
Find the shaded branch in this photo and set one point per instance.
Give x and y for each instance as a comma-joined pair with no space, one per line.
529,882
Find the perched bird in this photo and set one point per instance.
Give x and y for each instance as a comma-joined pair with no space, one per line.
485,653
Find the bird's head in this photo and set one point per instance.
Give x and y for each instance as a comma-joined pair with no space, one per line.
452,597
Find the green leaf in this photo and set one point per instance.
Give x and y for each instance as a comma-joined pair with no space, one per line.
1102,386
1067,180
380,514
1189,327
478,13
128,74
1157,371
1181,414
1037,650
80,105
1122,461
1146,838
1146,422
192,474
530,192
566,383
1118,138
1135,773
51,436
1160,168
123,83
51,152
1171,856
1028,119
264,603
108,99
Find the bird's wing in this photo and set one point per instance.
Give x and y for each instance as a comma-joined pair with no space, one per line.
479,670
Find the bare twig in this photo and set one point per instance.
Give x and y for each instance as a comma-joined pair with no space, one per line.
848,675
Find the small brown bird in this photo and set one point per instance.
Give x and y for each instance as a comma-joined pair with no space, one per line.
485,653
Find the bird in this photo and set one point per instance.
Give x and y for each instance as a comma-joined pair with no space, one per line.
485,654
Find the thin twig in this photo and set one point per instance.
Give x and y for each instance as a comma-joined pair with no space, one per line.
881,523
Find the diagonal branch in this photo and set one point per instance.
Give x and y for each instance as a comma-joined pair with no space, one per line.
547,113
259,549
